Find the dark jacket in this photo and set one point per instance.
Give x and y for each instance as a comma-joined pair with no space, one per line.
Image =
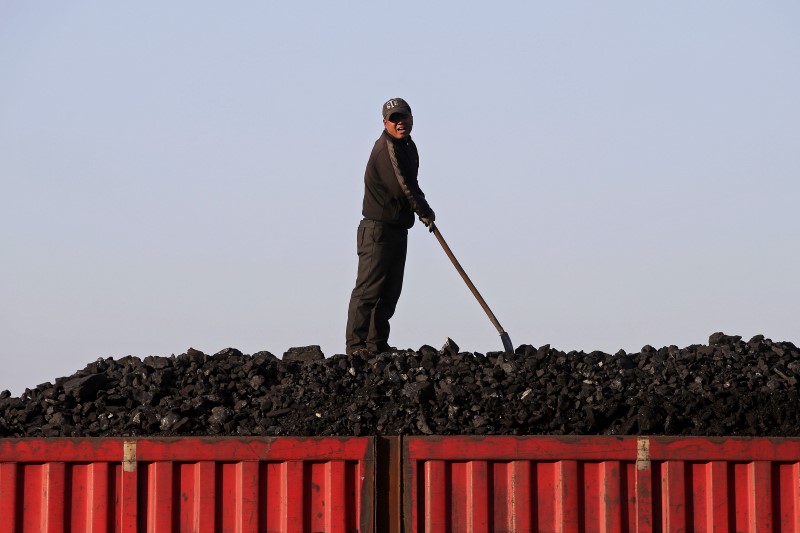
391,191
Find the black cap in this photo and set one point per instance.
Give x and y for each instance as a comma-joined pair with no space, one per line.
395,105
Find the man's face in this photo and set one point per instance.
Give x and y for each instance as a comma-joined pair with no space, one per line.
399,125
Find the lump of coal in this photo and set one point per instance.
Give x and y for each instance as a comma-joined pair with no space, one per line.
303,354
449,348
85,388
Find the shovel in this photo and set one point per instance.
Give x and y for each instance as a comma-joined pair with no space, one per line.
509,348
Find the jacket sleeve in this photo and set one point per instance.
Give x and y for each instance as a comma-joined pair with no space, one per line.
414,195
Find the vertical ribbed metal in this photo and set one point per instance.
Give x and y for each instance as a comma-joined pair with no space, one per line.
477,490
335,495
449,484
9,494
435,496
201,515
790,498
605,484
673,491
520,484
160,502
609,502
128,498
716,501
53,493
201,485
760,496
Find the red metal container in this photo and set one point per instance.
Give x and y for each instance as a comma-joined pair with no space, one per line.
583,484
164,485
449,484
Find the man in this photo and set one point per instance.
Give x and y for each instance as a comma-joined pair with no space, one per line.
391,197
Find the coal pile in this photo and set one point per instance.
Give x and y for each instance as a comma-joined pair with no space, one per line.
727,387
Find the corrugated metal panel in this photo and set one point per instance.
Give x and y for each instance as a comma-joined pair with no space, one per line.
450,484
165,485
583,484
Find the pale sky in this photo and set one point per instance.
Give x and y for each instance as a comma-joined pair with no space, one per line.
190,174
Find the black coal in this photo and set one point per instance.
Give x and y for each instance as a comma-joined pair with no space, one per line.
728,387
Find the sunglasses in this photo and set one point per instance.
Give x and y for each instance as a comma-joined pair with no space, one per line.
397,117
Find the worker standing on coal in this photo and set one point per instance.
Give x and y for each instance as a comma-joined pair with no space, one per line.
391,198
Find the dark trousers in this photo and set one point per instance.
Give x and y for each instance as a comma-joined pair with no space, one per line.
381,263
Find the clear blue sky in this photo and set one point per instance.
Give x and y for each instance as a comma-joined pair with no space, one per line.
610,174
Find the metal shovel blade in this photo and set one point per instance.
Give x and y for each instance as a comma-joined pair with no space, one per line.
507,342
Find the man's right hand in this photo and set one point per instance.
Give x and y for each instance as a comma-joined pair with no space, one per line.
428,220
